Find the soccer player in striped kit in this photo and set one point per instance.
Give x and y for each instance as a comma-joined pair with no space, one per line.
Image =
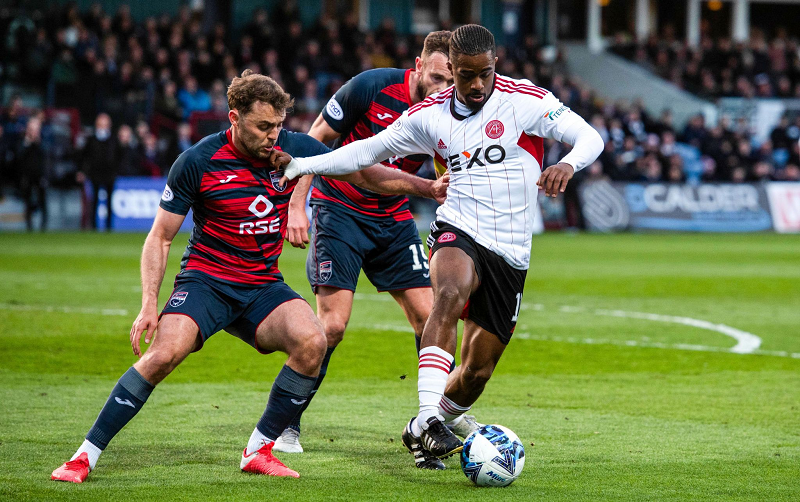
355,229
487,133
229,276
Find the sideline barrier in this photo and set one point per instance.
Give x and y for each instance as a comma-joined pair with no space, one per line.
784,203
134,204
709,207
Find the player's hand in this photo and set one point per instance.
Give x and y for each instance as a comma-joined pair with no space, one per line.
554,179
439,188
278,158
297,227
290,172
146,321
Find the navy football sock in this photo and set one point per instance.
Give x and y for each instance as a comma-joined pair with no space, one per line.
288,395
295,424
125,401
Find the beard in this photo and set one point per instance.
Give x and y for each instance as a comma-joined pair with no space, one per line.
252,146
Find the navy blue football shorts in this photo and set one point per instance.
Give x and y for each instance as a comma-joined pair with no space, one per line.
495,305
390,252
215,305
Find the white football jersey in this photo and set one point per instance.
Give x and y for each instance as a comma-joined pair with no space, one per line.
494,157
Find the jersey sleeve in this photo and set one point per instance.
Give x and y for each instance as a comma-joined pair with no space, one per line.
349,103
303,145
408,135
547,117
183,185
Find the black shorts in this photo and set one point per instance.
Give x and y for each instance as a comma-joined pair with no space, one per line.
215,305
494,306
390,252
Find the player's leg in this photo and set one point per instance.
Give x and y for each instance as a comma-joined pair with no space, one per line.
454,279
334,307
398,263
480,352
416,304
176,337
333,265
492,317
292,328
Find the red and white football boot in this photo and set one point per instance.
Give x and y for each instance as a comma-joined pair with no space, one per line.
74,471
263,461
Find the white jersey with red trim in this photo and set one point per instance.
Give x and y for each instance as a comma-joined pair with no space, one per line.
494,157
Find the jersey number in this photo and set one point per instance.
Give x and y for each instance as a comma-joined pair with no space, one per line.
415,256
516,311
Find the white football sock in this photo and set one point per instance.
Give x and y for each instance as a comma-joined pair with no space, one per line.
434,366
92,451
257,440
451,412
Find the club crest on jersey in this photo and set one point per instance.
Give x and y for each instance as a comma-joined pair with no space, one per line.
325,271
446,237
177,298
275,178
494,129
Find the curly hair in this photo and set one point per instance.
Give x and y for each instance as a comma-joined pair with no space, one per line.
252,87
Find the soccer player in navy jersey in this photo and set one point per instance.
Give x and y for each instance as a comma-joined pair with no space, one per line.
229,277
354,228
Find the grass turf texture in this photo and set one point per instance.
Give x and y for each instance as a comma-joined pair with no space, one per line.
601,421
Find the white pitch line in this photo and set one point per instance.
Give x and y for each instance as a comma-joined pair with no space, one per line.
746,343
64,310
596,341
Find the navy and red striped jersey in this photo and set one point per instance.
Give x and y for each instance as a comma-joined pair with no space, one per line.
366,105
239,209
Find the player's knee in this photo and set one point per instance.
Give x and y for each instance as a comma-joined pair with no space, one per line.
157,364
450,297
475,377
309,352
334,331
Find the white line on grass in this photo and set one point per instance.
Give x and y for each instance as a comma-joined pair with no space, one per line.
64,310
747,343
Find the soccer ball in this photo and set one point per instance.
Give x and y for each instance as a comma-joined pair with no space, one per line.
492,456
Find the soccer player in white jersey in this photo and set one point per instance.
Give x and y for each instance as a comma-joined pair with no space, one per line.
487,131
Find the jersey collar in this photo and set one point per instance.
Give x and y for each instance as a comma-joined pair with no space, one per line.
457,115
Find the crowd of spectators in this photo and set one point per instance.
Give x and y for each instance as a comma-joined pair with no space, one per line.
140,88
720,67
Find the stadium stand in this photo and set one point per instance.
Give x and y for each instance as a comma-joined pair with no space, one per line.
162,82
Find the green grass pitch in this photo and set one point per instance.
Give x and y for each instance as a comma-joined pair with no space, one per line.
609,403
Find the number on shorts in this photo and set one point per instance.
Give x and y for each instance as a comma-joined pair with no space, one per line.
519,303
415,254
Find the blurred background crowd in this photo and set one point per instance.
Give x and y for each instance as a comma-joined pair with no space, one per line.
124,98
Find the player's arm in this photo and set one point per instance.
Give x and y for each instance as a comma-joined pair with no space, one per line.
297,220
406,136
382,179
183,182
564,125
154,264
341,112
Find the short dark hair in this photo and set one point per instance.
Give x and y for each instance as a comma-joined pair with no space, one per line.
470,40
252,87
437,41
